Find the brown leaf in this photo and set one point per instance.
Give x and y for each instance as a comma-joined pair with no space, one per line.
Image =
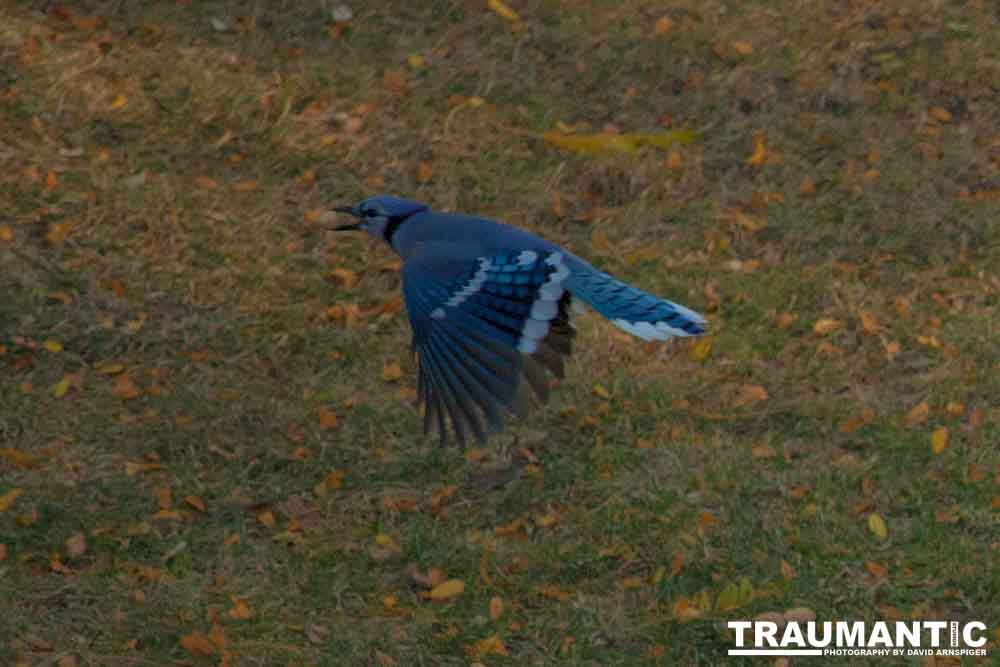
241,610
877,570
496,607
7,499
553,592
825,325
425,171
245,186
787,571
347,278
663,25
76,545
125,388
395,81
198,645
392,372
492,645
763,452
327,418
195,502
267,518
742,47
918,414
869,324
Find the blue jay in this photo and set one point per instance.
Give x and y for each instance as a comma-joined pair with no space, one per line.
489,307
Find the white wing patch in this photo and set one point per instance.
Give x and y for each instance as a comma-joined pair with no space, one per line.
474,285
546,305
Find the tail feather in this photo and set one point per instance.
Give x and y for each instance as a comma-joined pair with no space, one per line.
637,312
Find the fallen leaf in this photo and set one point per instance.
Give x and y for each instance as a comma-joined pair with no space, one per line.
663,25
876,524
245,186
119,102
267,518
763,452
327,418
58,232
787,571
918,414
553,592
502,10
392,372
241,610
589,144
425,171
6,233
445,591
496,607
854,423
124,388
347,278
206,183
197,644
76,545
61,387
195,502
869,324
877,570
743,47
7,499
760,153
939,440
825,325
492,645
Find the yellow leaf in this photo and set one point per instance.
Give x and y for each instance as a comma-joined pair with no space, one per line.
747,222
345,277
241,610
52,345
940,114
197,644
601,392
7,499
503,10
62,386
58,232
663,25
876,524
267,518
685,611
119,102
825,325
700,350
743,47
416,61
492,645
392,372
110,369
589,144
6,233
496,607
446,591
918,414
939,440
759,156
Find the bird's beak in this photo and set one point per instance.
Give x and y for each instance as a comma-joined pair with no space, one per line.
350,227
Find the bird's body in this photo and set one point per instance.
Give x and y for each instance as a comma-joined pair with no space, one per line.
489,307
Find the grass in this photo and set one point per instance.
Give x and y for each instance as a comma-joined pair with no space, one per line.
164,187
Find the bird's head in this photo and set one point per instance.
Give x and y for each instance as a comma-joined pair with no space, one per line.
379,215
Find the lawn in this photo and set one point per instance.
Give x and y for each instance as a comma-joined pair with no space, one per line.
209,449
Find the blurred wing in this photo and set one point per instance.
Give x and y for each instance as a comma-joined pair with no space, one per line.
481,327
